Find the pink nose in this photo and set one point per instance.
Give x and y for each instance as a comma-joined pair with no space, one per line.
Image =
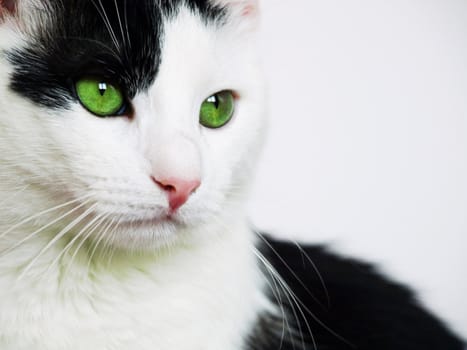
178,190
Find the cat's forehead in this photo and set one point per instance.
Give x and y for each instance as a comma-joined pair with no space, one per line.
120,40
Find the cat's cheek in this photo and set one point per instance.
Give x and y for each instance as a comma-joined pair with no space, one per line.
91,145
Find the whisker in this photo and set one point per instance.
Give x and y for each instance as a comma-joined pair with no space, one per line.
100,236
56,238
109,242
290,270
85,238
119,20
125,15
291,299
35,216
307,256
275,277
301,305
109,238
75,238
31,235
105,18
277,295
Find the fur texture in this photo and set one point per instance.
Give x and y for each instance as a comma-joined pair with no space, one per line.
90,255
88,260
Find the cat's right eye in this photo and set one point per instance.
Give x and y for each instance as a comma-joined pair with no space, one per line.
100,97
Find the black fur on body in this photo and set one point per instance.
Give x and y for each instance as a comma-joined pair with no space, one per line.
336,303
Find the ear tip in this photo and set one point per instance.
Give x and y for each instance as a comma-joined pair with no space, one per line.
250,9
245,7
7,7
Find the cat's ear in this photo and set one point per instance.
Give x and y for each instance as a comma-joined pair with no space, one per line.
7,8
241,9
244,8
25,15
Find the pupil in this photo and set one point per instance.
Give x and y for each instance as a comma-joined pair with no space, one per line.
102,88
214,100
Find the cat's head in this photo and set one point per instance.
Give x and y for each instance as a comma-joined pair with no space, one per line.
138,120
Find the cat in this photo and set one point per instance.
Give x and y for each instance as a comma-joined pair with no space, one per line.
129,134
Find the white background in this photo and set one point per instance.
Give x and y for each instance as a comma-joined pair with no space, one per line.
367,146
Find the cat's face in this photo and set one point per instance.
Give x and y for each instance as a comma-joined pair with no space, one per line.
149,170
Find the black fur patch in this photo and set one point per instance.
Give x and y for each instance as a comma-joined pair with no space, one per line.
119,40
347,305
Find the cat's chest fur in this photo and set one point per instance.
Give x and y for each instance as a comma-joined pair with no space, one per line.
202,297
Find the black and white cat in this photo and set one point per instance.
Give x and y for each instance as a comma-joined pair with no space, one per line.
129,132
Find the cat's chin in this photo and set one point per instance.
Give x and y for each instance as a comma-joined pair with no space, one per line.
148,234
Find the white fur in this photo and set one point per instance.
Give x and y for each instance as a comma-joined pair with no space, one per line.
193,285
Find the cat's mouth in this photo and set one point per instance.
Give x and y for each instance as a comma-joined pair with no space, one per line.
167,219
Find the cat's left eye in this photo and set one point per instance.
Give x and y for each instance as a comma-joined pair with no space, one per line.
217,110
100,97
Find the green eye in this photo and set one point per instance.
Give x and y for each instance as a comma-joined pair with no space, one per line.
100,97
217,110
